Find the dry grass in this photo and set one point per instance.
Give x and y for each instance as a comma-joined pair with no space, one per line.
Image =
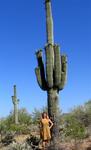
21,138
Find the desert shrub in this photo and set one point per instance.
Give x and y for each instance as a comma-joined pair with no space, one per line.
73,128
18,146
19,129
83,113
25,121
24,117
36,115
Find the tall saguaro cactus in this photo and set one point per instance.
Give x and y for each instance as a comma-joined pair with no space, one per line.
15,103
52,77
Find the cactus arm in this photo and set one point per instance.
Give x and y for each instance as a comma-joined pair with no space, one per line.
64,72
49,65
40,72
57,66
63,81
18,100
41,65
64,63
39,58
39,79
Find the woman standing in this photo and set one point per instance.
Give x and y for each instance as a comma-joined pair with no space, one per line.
45,126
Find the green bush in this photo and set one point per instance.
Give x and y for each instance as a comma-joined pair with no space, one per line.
73,128
19,129
25,121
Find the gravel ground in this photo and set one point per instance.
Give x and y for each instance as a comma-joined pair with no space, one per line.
21,144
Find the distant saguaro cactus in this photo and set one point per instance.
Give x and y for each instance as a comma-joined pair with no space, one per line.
15,103
52,77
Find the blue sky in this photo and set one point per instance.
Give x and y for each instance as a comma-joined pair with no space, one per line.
23,31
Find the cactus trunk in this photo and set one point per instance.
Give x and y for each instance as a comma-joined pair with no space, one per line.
53,110
49,22
16,113
15,103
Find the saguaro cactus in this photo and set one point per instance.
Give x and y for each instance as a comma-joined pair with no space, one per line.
52,77
15,103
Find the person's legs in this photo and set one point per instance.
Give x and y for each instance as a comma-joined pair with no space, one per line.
44,144
48,142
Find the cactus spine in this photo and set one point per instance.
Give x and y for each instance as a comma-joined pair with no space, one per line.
15,103
52,78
